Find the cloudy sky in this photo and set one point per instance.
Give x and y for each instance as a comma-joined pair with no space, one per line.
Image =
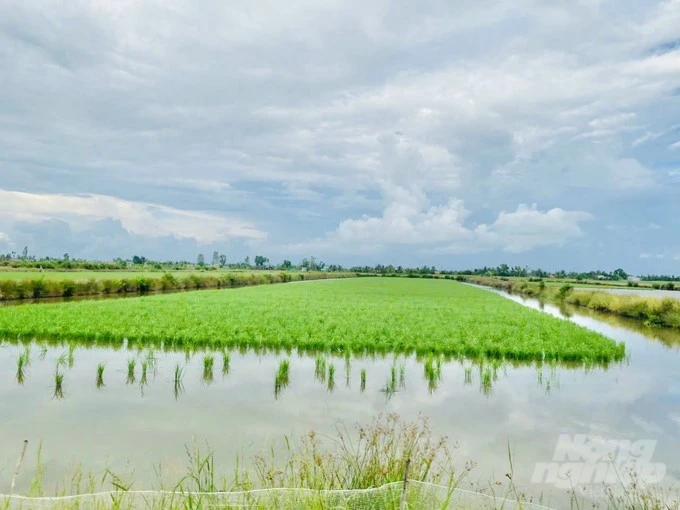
454,133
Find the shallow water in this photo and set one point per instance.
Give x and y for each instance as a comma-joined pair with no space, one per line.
127,425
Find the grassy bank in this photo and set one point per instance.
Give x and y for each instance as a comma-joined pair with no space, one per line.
355,315
386,464
652,311
31,285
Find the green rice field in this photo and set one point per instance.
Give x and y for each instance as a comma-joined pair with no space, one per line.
358,315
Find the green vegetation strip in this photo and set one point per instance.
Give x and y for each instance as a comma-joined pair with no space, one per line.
649,310
33,285
358,315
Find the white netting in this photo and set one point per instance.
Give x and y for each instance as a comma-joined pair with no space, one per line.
416,496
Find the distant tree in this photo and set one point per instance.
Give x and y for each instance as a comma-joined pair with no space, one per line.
620,274
223,260
66,257
138,261
286,264
215,259
200,260
246,261
261,261
24,253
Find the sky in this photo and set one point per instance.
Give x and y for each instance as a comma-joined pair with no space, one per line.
456,134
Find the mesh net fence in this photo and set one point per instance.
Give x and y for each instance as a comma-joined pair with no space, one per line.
411,495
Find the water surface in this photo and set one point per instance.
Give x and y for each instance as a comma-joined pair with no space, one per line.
127,425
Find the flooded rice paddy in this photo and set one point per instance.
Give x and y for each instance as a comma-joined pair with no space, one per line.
134,410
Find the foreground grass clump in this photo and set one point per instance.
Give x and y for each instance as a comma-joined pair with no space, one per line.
388,464
358,315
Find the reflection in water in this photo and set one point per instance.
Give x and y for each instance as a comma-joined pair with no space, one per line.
489,370
226,363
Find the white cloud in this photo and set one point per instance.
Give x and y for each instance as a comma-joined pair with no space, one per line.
146,219
409,220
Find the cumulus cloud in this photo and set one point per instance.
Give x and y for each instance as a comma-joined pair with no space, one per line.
150,220
409,221
235,119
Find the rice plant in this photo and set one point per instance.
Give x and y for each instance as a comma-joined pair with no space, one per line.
348,368
100,375
71,353
433,373
363,380
486,380
282,378
330,385
131,378
208,362
23,361
468,375
178,386
143,381
431,317
58,385
320,369
43,353
226,363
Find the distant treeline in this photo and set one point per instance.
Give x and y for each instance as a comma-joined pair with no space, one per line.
40,288
219,261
